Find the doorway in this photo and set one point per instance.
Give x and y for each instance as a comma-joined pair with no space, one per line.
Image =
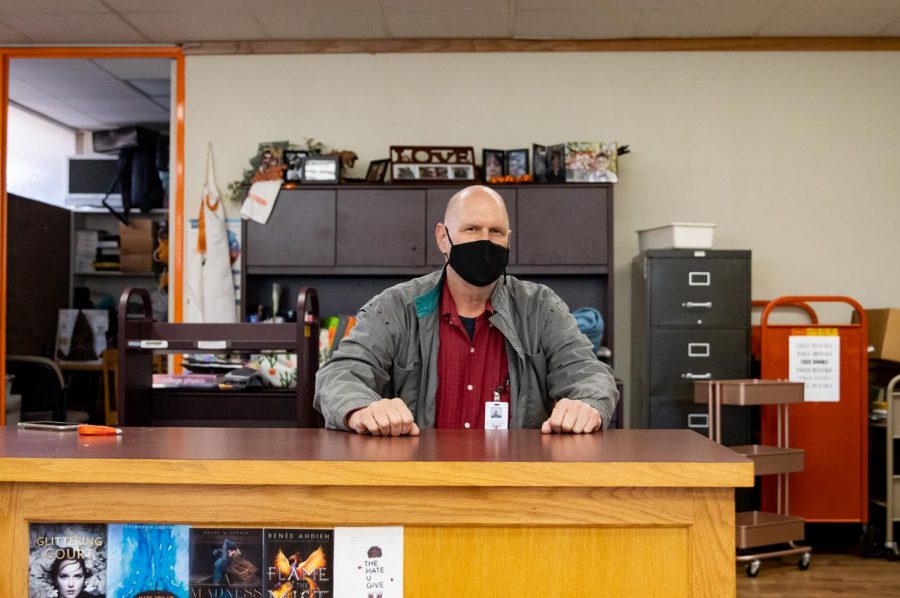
54,177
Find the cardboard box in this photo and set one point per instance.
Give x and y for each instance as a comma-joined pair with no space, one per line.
136,262
884,333
138,237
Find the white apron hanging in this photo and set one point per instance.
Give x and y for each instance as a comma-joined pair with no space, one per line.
211,295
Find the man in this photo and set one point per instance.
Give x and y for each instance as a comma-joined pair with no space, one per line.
467,347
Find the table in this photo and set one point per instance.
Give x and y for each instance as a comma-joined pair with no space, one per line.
498,513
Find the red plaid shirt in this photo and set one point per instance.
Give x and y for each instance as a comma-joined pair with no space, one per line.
469,371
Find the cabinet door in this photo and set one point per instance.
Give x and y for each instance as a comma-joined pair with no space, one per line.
380,227
699,291
437,204
300,231
678,356
558,226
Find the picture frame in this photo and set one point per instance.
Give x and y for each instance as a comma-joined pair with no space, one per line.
591,162
403,172
377,171
539,163
462,172
555,171
493,163
293,161
433,172
268,165
321,169
516,162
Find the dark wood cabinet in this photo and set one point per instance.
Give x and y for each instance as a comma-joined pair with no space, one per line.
380,227
352,241
300,230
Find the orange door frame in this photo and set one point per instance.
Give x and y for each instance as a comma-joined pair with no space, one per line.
176,201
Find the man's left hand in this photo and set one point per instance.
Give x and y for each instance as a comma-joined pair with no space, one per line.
572,417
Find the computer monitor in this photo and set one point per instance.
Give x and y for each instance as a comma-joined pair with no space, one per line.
89,178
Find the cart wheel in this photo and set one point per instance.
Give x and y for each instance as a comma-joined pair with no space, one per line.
803,563
752,568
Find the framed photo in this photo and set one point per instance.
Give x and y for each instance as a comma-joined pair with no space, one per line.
404,172
494,163
517,162
377,171
462,172
591,162
293,161
268,165
434,172
539,163
321,169
556,163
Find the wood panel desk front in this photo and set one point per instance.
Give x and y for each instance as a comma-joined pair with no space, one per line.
626,512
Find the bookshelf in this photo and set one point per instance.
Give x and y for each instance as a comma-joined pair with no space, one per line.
142,405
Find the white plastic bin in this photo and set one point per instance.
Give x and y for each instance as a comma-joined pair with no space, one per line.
677,235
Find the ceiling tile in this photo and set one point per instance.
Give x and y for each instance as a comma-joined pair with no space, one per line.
474,24
132,118
163,101
50,6
152,87
20,90
175,5
82,88
10,36
137,68
704,22
892,30
491,5
336,19
543,24
832,18
583,5
212,26
55,68
75,28
134,104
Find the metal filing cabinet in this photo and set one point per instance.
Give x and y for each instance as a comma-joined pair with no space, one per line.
690,321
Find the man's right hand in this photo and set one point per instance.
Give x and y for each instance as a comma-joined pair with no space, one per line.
387,417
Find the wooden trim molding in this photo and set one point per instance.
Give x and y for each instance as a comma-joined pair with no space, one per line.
401,46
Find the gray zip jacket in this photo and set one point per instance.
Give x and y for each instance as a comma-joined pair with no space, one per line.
393,349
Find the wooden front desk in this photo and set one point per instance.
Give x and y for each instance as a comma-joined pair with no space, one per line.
517,513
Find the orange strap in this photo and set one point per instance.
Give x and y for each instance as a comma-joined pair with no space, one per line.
201,236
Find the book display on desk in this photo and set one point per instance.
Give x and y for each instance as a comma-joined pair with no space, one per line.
226,562
148,560
368,561
67,557
298,562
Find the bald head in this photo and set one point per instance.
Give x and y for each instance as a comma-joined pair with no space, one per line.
473,214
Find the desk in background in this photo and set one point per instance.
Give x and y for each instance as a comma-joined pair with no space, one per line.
502,513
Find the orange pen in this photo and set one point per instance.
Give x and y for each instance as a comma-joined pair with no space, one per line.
90,430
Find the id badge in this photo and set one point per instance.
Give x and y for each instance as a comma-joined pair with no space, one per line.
496,415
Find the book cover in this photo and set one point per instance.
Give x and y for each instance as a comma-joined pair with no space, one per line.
226,563
368,562
67,560
298,563
147,560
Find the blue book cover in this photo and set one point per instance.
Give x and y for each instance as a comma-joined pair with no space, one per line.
148,560
67,560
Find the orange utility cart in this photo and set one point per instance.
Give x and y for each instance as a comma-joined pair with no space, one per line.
832,430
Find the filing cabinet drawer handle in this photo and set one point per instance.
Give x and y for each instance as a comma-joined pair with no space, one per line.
697,304
690,376
698,349
698,420
698,279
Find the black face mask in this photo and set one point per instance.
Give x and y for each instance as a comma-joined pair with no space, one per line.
479,263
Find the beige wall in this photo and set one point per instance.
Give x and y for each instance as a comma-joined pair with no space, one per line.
795,156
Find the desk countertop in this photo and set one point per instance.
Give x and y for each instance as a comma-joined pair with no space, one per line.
437,458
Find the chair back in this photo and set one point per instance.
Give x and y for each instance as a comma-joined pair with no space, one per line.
40,383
